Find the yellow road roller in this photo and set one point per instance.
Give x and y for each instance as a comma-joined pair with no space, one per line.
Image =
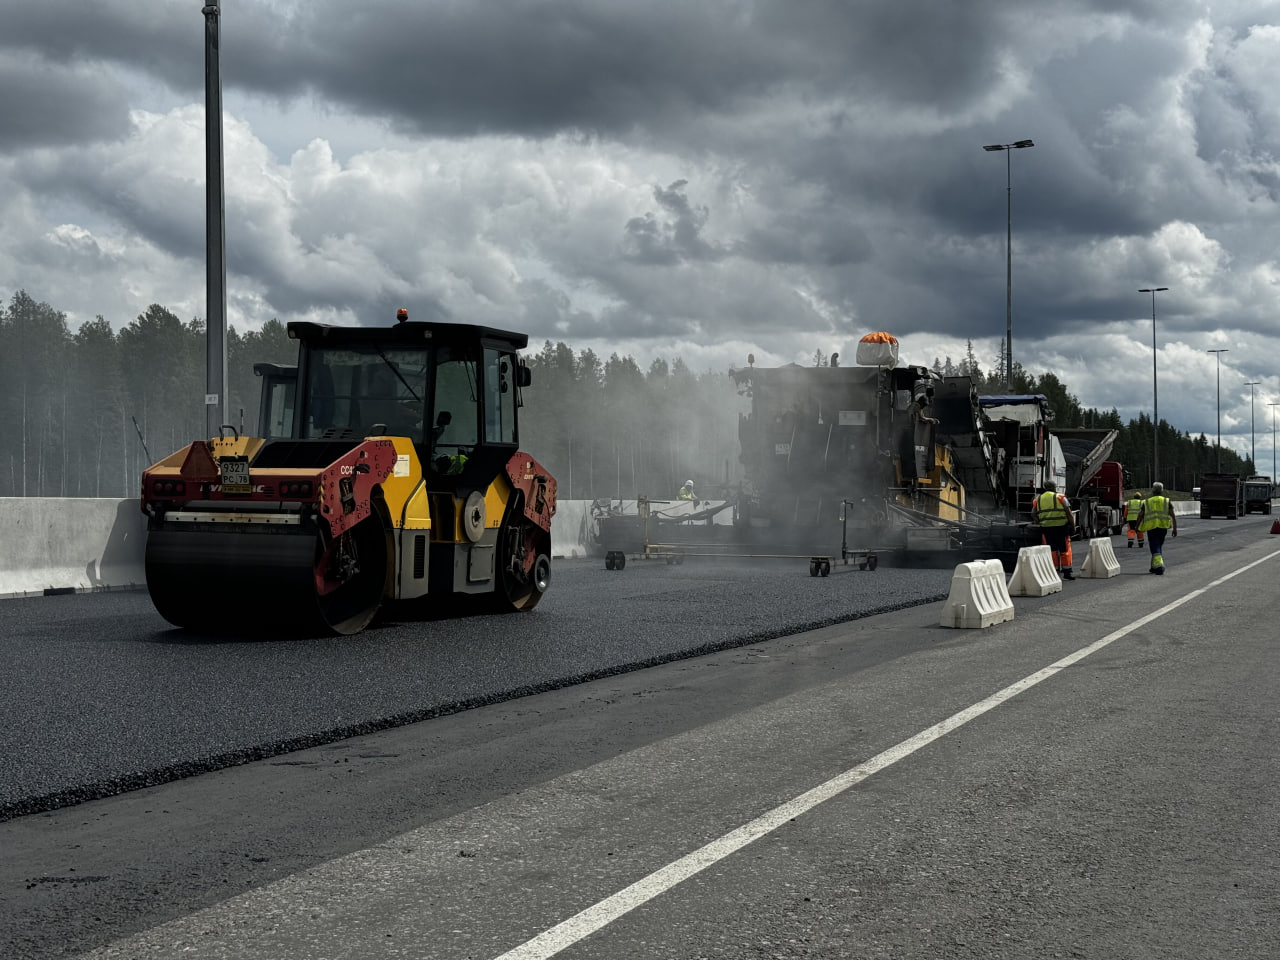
388,472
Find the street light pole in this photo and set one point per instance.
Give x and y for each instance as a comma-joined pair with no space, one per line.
1219,353
216,405
1273,440
1253,451
1008,149
1155,390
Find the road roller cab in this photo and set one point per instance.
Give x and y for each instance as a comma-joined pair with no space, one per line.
388,470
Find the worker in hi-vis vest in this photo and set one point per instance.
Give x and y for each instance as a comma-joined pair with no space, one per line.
1057,525
1131,511
1155,520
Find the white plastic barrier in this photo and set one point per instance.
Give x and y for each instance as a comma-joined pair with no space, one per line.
1100,562
70,544
1186,508
978,596
1035,575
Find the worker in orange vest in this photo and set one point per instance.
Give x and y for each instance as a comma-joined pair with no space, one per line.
1057,526
1132,511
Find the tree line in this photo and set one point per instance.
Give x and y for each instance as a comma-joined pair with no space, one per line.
83,412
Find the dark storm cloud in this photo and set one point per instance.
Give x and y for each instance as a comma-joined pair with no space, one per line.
672,236
168,213
43,104
828,236
545,65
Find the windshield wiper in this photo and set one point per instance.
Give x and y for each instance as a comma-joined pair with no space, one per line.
396,371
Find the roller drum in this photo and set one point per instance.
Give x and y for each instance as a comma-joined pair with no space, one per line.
256,579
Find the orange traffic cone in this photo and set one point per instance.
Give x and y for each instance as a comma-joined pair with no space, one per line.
1275,526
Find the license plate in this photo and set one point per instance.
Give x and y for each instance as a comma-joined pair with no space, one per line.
235,475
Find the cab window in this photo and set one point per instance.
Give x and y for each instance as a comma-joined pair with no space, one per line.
499,397
457,401
365,390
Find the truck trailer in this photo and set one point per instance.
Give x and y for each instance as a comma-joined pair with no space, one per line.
1258,492
1221,495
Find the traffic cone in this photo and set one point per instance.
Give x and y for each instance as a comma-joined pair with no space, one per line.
1275,526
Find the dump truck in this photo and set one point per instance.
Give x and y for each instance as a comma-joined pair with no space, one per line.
1222,495
1258,493
387,471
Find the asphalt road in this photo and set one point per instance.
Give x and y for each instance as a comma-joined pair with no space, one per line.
1123,806
101,695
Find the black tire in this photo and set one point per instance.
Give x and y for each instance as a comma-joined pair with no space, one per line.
608,561
521,584
619,561
872,562
352,605
813,568
824,569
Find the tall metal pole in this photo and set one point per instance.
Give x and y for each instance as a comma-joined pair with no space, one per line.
1008,148
1253,450
1219,353
1273,440
1155,389
1008,269
215,399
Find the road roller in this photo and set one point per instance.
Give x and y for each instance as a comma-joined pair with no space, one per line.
387,475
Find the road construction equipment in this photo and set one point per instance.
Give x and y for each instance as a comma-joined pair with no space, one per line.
901,461
387,471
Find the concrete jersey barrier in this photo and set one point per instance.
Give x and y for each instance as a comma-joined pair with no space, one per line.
71,543
83,544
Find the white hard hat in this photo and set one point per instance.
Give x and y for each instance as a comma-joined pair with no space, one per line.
688,483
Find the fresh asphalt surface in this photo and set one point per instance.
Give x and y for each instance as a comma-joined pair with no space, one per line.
1125,808
100,694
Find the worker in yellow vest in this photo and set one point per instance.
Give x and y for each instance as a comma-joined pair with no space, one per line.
1057,525
1155,520
1131,511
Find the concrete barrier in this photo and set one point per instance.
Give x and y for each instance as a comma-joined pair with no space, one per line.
978,596
70,544
570,528
82,544
1186,508
1100,563
1034,575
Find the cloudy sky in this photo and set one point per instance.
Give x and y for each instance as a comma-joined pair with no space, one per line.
693,178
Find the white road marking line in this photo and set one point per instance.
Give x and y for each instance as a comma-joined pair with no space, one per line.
578,927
